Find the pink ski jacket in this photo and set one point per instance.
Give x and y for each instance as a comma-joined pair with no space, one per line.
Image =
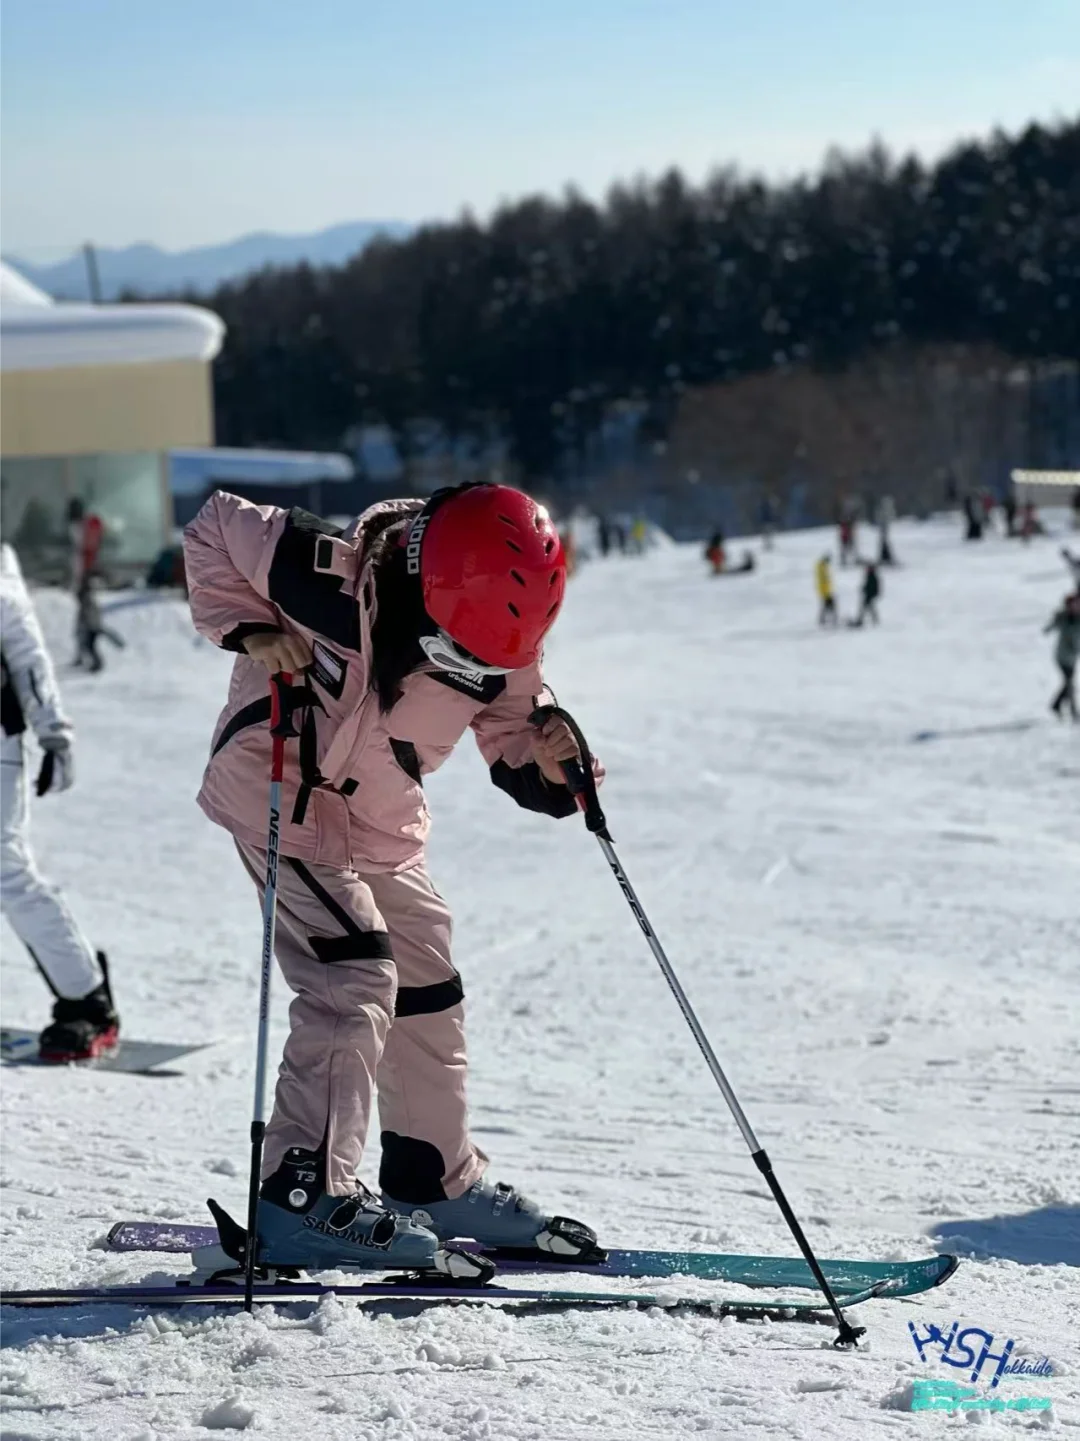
353,787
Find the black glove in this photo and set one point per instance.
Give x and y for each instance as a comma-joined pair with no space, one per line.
57,765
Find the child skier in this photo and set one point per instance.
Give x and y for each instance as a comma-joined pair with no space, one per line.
417,623
1067,624
90,627
85,1023
823,580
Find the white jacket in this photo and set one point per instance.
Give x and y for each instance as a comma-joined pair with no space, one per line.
30,693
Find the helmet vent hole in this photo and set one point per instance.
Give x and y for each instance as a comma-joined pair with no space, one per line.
549,546
520,579
507,521
553,609
554,577
512,608
514,547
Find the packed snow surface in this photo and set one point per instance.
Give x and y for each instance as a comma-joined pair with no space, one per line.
881,935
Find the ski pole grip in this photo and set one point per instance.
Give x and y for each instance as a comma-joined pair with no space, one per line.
281,706
572,770
578,773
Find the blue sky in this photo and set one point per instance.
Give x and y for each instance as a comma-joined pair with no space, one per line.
190,123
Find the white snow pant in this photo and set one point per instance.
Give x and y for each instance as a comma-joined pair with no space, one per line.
35,908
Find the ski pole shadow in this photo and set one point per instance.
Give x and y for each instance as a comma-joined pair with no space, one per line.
23,1326
1047,1237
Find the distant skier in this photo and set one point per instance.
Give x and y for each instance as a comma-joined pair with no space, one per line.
846,536
418,623
1067,624
973,514
90,628
770,519
986,500
886,514
1030,524
87,532
85,1023
1009,507
868,594
823,581
715,553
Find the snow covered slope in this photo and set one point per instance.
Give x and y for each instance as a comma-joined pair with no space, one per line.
881,936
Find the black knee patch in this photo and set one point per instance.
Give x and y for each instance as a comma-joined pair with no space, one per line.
357,946
411,1170
429,1000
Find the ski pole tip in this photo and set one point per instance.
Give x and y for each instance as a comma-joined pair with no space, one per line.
849,1336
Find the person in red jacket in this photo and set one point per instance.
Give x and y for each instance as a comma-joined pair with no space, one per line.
87,531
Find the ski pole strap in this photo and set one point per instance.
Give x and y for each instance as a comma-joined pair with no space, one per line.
580,780
281,705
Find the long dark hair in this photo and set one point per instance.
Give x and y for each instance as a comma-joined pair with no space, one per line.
400,618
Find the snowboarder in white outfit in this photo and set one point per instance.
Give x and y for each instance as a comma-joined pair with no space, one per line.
84,1020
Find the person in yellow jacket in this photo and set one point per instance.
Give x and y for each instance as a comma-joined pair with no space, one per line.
823,579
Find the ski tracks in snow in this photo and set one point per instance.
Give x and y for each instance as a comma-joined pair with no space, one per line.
880,938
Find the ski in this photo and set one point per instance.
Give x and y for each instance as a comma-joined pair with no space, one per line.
410,1289
138,1058
903,1278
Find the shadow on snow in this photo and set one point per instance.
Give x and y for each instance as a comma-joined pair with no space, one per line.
1046,1237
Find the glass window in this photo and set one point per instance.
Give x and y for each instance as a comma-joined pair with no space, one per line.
33,514
126,492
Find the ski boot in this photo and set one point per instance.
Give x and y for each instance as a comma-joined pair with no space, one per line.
496,1216
301,1227
81,1029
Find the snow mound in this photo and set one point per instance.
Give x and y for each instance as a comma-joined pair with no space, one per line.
230,1414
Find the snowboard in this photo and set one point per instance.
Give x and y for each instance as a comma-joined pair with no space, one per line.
410,1288
139,1058
963,732
847,1278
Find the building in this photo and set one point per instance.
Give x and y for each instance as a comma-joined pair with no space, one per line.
322,482
92,399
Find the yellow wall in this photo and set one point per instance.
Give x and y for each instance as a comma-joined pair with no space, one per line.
104,409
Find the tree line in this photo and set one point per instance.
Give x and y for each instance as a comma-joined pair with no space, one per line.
529,330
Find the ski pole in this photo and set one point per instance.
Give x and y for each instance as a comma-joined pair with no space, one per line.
580,781
281,727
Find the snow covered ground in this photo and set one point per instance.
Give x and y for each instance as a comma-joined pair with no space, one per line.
881,935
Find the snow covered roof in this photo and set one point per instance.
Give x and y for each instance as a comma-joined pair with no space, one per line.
38,334
191,469
1046,477
15,289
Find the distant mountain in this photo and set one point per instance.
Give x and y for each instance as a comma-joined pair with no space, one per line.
150,271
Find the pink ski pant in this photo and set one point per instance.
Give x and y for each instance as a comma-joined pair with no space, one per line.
377,1005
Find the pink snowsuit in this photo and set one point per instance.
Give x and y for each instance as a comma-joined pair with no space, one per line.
363,938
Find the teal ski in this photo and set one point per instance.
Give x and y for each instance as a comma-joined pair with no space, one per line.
847,1278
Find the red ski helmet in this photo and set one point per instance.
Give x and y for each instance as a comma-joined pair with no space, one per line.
492,571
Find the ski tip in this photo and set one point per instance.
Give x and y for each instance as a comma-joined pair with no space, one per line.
947,1270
